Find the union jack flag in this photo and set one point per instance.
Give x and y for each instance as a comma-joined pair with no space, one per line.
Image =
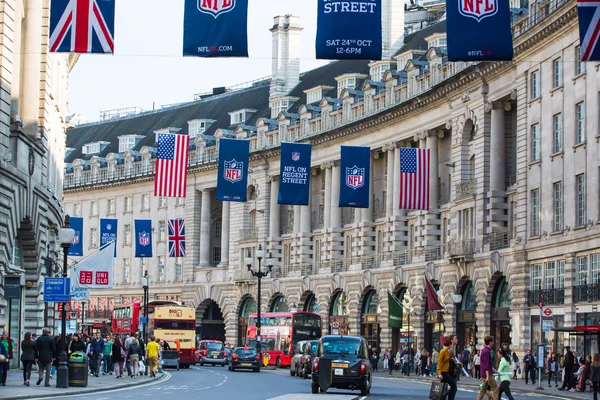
176,238
82,26
589,29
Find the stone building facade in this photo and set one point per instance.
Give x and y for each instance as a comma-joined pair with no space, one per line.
504,138
33,108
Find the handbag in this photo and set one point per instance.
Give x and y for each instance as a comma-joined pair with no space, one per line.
123,354
438,390
2,358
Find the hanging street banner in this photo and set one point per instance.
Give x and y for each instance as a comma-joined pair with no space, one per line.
215,28
589,23
394,311
143,238
479,30
349,30
108,232
232,179
355,171
96,271
76,248
294,174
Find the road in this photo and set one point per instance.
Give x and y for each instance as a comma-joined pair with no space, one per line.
219,383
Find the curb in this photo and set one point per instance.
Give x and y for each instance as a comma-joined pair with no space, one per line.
88,390
473,385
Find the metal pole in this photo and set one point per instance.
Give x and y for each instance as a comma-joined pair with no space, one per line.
540,356
82,316
62,373
145,324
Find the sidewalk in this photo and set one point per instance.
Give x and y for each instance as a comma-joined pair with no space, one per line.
15,389
516,386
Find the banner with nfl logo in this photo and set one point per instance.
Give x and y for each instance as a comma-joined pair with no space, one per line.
76,248
108,231
215,28
143,238
349,30
355,168
479,30
294,174
232,180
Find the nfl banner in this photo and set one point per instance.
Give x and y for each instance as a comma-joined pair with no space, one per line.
215,28
589,24
294,174
479,30
76,248
355,168
143,238
108,232
349,30
232,180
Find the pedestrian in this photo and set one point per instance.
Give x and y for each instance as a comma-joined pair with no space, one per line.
45,352
487,362
97,353
9,345
55,361
516,365
568,366
142,344
445,368
398,360
27,357
424,362
475,369
3,362
595,375
434,360
504,370
152,353
117,356
88,352
386,360
77,344
581,376
134,354
530,367
374,360
552,369
108,365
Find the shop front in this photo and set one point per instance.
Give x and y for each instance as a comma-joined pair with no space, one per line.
369,327
434,330
248,307
500,326
338,315
465,318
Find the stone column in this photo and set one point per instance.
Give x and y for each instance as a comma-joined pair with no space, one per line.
205,229
432,145
225,234
397,210
303,244
336,211
29,107
327,198
366,214
570,282
389,201
305,226
397,226
297,219
366,233
497,204
274,239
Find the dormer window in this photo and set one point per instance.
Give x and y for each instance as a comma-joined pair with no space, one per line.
128,142
198,126
165,130
279,106
240,116
93,148
378,70
437,40
349,83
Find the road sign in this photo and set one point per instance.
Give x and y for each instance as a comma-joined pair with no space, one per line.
143,320
336,325
547,324
547,312
73,315
57,290
541,304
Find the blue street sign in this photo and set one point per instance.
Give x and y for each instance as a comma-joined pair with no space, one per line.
143,320
57,290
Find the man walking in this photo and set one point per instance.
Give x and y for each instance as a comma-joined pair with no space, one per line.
486,366
142,345
152,351
97,353
568,365
530,367
45,352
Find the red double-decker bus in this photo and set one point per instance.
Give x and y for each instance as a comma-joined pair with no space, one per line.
281,331
126,317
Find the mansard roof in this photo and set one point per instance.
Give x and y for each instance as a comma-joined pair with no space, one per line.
416,41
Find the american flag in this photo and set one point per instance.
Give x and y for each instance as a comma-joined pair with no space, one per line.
414,179
176,238
171,165
89,26
589,29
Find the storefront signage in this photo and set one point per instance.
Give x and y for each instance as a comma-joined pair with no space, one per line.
434,317
12,288
466,316
370,318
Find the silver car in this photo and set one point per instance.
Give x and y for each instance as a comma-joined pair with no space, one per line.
296,363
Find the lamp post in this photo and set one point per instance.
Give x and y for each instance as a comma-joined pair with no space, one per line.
145,284
82,315
259,274
65,235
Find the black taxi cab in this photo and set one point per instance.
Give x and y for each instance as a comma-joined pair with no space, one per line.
244,358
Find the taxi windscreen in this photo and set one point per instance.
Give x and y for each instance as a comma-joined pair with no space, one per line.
214,346
245,352
341,346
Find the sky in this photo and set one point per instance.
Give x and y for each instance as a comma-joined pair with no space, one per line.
148,69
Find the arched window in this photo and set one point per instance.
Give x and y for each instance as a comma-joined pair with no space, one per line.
311,304
502,294
216,242
339,305
249,307
469,301
371,303
280,305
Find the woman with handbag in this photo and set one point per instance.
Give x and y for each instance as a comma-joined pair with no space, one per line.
3,363
117,354
515,365
552,369
135,354
445,369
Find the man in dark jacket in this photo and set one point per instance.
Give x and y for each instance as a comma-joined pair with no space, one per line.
568,365
45,352
97,353
530,367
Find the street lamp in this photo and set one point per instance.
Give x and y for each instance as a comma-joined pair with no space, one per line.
259,274
65,235
145,284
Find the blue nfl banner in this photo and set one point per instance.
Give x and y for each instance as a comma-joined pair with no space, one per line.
479,30
76,248
349,30
232,180
355,169
108,231
294,174
143,238
215,28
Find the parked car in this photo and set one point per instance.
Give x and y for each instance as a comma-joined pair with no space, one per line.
296,363
342,362
210,352
244,358
308,354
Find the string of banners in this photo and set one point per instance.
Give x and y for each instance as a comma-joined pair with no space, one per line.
477,30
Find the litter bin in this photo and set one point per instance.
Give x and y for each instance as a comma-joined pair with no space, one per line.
78,369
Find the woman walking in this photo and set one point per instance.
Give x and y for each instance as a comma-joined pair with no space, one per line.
117,352
552,369
444,369
134,353
476,361
27,357
55,361
504,370
515,365
595,375
76,344
424,362
9,345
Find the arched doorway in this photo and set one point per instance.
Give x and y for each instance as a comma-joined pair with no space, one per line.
210,324
369,327
500,327
338,314
248,306
279,304
434,326
466,323
311,304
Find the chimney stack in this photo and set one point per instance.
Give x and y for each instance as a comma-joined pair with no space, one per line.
286,55
393,27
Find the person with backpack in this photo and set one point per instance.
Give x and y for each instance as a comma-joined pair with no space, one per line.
134,354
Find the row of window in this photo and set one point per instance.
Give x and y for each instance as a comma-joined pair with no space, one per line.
551,274
557,74
111,205
161,268
557,133
557,206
